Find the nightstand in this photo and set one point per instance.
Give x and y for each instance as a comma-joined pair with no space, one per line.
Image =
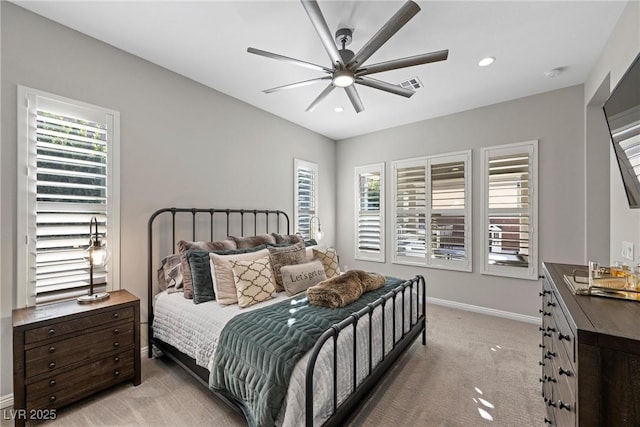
65,351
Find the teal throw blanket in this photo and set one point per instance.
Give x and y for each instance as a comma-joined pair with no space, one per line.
258,350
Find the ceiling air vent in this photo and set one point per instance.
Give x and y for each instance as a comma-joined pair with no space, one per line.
413,83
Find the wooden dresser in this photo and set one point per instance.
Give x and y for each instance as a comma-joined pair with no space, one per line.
590,355
66,351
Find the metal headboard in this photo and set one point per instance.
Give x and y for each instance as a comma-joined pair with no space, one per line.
258,219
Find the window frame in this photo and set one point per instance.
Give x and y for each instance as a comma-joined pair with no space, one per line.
529,148
425,162
27,104
369,255
313,167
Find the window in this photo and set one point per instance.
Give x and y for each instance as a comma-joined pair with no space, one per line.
369,226
68,156
449,206
509,210
306,199
432,211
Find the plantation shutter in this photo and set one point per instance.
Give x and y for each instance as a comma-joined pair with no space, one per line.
306,197
71,157
510,208
448,211
410,205
370,212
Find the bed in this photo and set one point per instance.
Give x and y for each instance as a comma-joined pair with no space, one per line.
327,380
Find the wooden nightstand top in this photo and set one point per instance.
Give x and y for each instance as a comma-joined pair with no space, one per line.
30,315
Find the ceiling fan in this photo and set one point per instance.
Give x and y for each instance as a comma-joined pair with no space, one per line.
348,68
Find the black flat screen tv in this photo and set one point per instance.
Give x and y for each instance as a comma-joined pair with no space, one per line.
622,111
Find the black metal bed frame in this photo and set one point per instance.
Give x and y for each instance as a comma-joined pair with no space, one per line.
345,409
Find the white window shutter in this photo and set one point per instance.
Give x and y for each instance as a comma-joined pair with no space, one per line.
370,207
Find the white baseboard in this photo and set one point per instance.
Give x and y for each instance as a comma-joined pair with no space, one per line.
484,310
6,401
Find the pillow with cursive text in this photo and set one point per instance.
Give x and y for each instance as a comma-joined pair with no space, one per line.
298,277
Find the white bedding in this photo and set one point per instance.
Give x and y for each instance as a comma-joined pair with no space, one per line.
194,330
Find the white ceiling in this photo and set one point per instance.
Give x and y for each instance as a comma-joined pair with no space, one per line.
207,41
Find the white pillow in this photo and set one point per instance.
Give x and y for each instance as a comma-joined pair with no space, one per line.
297,278
222,276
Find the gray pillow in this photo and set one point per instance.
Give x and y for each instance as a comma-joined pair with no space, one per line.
287,238
184,246
287,255
200,276
252,241
297,278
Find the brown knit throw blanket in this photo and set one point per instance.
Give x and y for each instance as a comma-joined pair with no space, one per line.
344,289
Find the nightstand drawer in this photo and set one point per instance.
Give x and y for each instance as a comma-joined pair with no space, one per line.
70,386
74,325
59,354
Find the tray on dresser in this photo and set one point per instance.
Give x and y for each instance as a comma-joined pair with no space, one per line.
609,287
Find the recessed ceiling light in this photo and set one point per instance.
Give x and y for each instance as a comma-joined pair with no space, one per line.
486,61
338,109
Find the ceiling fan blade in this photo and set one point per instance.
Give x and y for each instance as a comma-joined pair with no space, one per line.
387,87
289,60
298,84
352,93
320,97
320,24
393,25
409,61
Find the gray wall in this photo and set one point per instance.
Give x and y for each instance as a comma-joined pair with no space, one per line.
553,118
182,144
621,48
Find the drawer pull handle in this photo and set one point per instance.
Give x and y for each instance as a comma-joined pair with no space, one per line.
550,379
52,383
541,345
564,337
52,331
52,398
550,329
541,380
116,359
52,349
541,329
52,365
552,403
547,334
116,344
565,372
116,373
551,304
550,354
116,315
547,421
563,405
116,331
541,363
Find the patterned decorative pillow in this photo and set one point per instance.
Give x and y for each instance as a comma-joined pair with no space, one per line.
184,246
329,259
252,241
287,255
222,276
291,239
200,276
253,280
297,278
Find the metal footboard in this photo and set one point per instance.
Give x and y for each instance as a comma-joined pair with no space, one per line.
360,390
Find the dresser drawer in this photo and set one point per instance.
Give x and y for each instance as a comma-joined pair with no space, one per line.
564,334
59,354
60,329
67,387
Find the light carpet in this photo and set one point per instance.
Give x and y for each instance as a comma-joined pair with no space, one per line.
476,370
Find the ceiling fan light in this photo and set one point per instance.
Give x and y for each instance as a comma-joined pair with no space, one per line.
343,78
